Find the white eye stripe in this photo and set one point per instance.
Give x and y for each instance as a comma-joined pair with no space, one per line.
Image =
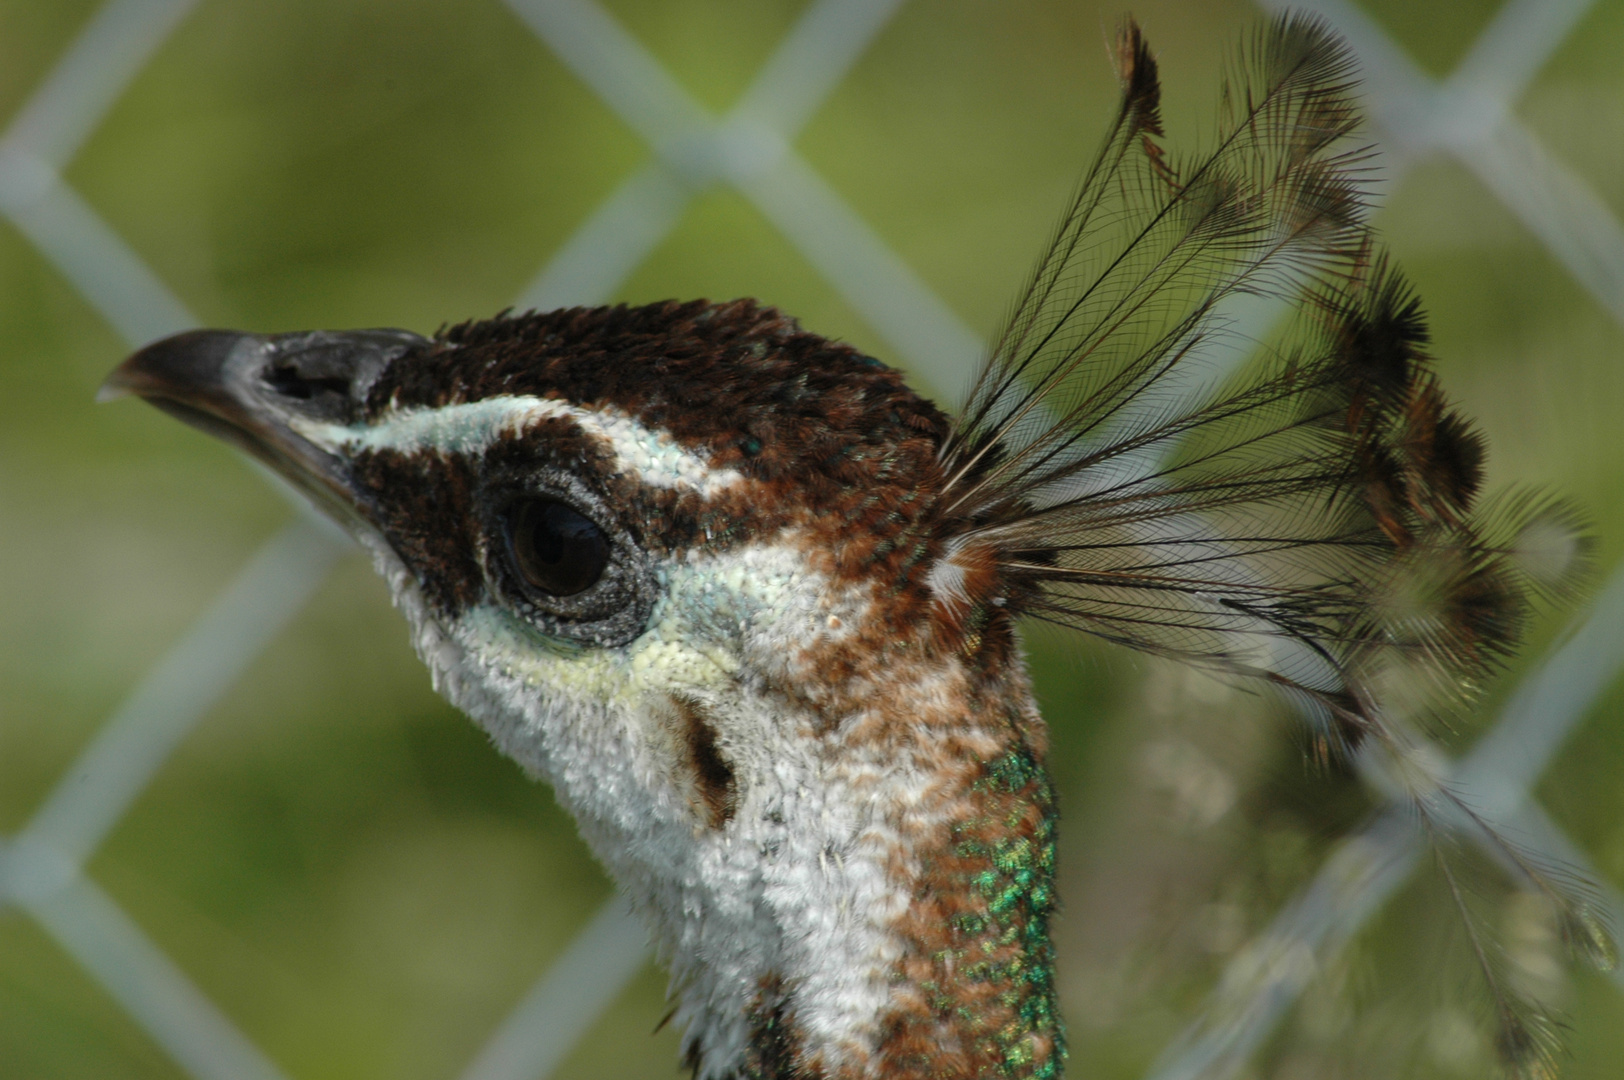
472,428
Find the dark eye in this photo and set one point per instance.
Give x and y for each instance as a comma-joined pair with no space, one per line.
555,547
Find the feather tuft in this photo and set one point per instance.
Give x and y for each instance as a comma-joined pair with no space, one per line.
1309,514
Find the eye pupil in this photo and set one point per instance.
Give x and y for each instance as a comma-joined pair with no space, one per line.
556,548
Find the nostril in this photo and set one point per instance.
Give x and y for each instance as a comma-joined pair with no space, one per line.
323,374
286,379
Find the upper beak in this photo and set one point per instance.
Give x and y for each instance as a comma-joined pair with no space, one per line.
256,391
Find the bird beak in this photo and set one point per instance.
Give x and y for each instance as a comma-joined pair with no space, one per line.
257,391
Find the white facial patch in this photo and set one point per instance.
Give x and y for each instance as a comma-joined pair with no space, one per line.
472,428
795,885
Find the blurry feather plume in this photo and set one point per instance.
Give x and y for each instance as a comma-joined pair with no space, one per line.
1310,517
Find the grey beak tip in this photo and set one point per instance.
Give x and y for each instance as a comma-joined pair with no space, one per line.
187,367
111,390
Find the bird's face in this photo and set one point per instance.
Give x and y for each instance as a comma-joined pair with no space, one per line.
623,513
660,554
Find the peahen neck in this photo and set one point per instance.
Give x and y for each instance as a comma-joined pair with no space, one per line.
875,900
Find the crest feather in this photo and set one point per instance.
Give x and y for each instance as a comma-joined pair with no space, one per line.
1310,517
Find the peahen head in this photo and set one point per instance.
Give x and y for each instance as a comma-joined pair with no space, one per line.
686,562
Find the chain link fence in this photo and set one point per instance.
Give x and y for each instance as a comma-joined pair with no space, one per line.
1468,116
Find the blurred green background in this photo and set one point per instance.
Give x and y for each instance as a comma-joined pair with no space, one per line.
340,861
